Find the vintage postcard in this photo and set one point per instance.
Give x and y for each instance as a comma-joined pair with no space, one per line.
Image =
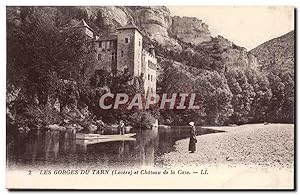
142,97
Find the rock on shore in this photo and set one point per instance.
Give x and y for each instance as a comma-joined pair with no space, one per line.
251,145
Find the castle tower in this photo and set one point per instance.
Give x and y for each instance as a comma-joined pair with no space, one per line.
129,54
85,28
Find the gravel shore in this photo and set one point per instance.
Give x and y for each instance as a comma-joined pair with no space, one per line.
253,145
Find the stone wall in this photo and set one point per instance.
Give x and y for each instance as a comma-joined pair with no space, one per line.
125,52
138,46
106,54
149,67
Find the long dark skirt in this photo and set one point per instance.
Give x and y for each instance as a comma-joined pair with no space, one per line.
192,145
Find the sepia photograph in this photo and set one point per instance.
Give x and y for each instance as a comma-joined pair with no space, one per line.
150,97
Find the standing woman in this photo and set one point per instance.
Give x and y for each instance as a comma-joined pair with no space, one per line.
193,139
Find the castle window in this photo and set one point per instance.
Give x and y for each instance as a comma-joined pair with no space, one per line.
122,53
112,44
140,42
142,75
151,78
100,44
103,45
148,77
126,40
99,57
113,56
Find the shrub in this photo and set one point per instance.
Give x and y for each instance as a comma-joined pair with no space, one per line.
39,115
141,119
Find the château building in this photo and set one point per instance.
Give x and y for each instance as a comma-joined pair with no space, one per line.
124,51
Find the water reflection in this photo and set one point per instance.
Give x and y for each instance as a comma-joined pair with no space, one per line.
62,148
147,142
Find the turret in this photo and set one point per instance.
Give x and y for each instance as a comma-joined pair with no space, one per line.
151,50
85,28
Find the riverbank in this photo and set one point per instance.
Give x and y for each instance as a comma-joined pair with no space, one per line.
255,156
252,145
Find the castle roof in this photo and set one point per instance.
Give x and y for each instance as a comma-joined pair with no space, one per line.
81,24
130,26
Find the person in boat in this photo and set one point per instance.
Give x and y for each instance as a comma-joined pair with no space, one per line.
193,139
100,126
121,128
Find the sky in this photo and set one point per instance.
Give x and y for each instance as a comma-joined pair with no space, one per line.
245,26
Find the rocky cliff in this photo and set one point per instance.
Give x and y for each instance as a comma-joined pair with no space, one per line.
112,15
176,34
227,53
190,30
156,22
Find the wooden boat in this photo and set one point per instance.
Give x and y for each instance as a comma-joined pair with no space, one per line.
88,139
99,136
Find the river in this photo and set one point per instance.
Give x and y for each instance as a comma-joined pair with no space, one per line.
62,149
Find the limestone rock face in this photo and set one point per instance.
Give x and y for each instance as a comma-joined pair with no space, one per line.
156,22
227,53
190,30
112,15
223,42
253,62
173,33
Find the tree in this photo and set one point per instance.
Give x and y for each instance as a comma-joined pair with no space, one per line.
42,57
277,88
263,94
287,106
215,95
243,95
175,81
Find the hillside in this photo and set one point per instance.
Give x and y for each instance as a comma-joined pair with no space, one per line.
230,88
278,52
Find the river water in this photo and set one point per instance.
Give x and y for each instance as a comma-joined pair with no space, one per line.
62,149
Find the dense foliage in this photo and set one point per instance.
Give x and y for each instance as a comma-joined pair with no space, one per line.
52,75
235,96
